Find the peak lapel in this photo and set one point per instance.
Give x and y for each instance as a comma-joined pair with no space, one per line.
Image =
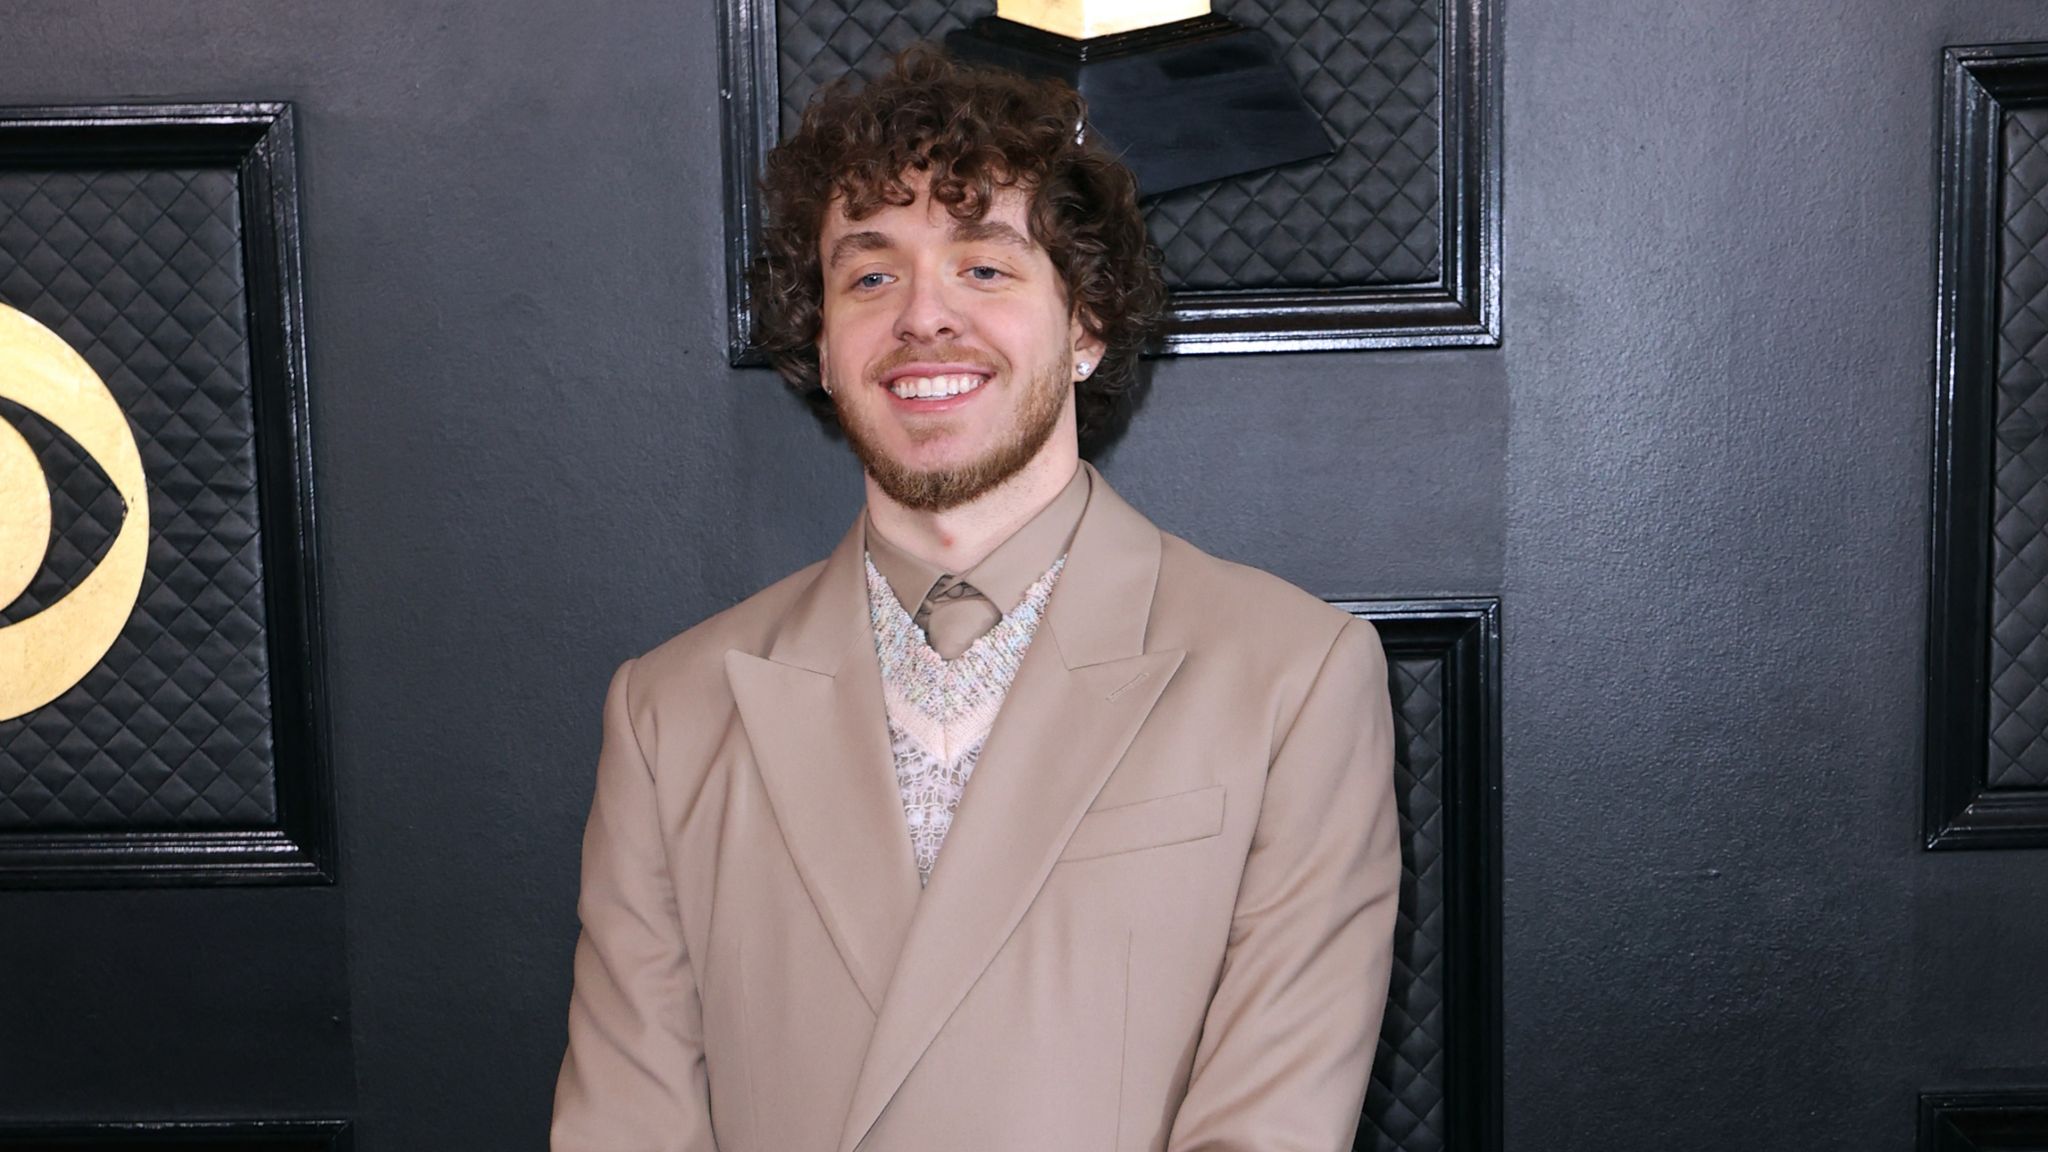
814,716
1074,708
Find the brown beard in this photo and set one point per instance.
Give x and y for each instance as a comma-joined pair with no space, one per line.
940,489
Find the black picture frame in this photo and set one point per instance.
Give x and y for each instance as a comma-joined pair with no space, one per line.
2012,1120
256,142
1461,309
1464,637
1980,84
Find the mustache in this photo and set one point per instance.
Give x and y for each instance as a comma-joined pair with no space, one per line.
950,354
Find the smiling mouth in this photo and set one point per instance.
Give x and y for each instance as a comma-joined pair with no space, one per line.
934,387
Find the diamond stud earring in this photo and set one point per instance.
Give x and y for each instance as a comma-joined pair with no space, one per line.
1084,367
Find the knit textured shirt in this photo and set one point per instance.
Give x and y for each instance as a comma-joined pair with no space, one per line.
940,710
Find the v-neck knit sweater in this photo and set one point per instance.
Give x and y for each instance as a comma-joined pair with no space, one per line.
940,711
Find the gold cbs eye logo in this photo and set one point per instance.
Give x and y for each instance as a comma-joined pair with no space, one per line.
42,656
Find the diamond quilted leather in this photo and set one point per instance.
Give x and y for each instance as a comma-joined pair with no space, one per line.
818,41
2019,563
1367,216
1404,1105
141,272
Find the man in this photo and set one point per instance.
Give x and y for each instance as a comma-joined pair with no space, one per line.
1015,823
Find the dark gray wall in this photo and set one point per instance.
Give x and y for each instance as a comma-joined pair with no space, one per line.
1696,471
1720,931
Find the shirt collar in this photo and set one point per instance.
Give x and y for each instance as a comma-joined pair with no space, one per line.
1004,575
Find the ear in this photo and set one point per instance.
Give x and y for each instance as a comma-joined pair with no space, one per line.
1085,346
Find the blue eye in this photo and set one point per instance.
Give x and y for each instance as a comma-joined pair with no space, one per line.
978,270
871,280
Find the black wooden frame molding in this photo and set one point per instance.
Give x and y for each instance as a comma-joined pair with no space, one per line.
198,1136
1460,309
256,140
1959,810
2014,1120
1465,635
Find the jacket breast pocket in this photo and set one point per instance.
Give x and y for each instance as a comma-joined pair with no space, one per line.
1174,819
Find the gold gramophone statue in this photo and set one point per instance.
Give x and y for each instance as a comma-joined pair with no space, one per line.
1183,95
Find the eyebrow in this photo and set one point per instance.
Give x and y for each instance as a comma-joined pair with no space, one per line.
857,242
986,231
964,232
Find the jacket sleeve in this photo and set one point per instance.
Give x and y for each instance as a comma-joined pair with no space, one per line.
634,1076
1289,1038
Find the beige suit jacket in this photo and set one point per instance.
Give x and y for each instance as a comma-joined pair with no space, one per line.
1163,916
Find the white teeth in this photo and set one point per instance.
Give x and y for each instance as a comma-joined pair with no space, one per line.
934,387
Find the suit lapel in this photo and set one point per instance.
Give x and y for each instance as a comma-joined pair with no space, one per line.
1084,690
814,716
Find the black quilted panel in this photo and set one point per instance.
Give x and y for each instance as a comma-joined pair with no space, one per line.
818,41
141,272
1404,1107
1367,216
2019,563
1364,217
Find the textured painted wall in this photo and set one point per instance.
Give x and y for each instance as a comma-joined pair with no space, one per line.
1720,928
1696,471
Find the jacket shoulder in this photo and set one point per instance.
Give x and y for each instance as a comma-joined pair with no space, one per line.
1237,604
1250,635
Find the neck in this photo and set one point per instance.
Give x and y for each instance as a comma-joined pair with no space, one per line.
959,538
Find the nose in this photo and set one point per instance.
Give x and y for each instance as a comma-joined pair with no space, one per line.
929,314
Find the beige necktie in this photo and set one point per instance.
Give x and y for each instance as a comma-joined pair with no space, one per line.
954,615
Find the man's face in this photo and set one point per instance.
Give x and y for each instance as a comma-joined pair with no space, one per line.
948,346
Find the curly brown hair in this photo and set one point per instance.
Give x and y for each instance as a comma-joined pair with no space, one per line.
968,131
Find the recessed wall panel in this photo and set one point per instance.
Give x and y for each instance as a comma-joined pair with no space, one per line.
1391,241
1435,1077
1987,720
160,715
